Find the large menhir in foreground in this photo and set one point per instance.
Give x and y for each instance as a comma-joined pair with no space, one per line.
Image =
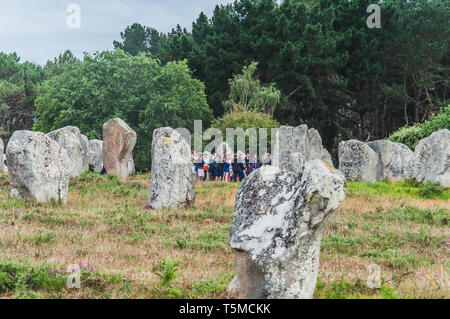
279,221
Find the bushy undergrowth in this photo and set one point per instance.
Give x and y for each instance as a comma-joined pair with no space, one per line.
411,135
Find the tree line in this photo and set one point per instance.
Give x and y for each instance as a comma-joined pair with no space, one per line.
334,72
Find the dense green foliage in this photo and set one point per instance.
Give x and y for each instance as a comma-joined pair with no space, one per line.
137,89
17,93
247,91
334,73
411,135
245,119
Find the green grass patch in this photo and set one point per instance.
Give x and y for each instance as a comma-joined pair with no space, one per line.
409,188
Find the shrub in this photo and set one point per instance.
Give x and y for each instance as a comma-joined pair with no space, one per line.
245,119
411,135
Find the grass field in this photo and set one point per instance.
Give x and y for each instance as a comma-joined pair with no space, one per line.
129,252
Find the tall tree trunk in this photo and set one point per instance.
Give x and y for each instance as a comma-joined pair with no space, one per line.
383,118
365,130
417,105
377,122
405,108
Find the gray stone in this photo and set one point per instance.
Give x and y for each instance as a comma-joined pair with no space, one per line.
400,159
69,138
358,161
393,158
95,155
431,161
294,146
317,151
385,151
279,220
172,183
118,144
38,167
85,152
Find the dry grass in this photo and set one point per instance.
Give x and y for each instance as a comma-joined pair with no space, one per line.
104,225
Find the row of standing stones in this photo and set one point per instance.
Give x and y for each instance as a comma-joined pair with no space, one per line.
378,160
281,210
40,165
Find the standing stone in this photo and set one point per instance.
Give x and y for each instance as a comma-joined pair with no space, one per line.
118,144
358,161
172,183
38,167
69,138
317,151
279,220
393,158
400,158
431,161
95,155
85,152
294,146
385,151
84,142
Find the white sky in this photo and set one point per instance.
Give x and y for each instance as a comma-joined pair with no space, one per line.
37,30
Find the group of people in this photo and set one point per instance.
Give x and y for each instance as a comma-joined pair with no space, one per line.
225,168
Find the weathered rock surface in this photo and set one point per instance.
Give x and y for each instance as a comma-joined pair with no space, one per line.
393,158
431,160
172,183
69,138
358,161
95,155
294,146
84,152
400,159
118,144
317,151
38,167
279,220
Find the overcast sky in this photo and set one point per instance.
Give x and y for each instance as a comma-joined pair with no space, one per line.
38,31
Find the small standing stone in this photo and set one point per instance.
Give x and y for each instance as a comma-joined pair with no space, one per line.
358,161
294,146
431,161
172,183
95,155
84,152
393,158
69,138
118,144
